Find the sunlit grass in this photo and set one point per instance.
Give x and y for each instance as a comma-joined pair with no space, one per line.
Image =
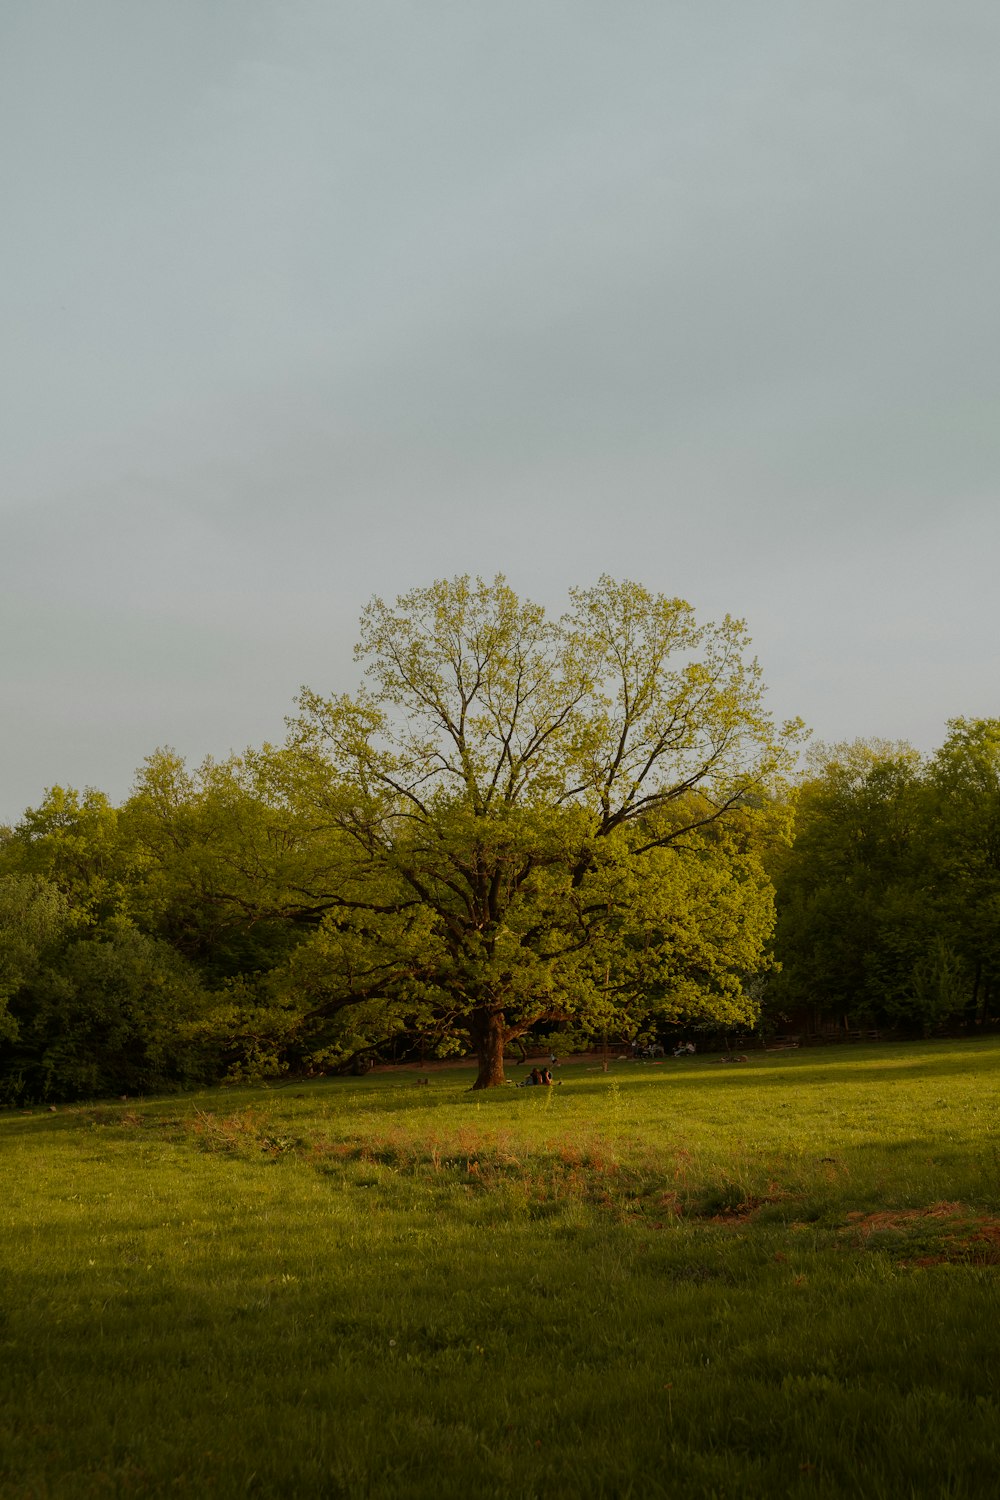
689,1279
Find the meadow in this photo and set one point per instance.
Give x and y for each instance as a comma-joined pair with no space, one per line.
682,1278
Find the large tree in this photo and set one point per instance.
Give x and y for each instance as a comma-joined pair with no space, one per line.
534,820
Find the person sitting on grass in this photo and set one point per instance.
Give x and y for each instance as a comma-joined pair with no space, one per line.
538,1076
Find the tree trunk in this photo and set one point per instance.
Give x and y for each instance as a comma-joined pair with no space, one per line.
489,1035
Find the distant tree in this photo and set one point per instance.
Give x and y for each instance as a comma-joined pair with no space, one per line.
115,1011
852,904
34,920
152,973
73,840
535,821
889,899
223,859
963,858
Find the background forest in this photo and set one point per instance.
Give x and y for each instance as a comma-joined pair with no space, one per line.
519,830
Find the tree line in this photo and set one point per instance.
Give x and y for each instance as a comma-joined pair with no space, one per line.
518,825
888,895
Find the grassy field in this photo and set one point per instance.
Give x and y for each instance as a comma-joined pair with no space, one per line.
676,1279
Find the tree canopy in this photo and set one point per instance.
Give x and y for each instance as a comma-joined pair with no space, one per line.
518,824
889,901
528,813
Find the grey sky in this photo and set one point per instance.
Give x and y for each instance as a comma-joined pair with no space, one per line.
305,301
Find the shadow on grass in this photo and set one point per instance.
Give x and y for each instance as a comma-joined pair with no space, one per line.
872,1064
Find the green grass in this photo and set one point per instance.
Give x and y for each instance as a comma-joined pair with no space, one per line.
678,1279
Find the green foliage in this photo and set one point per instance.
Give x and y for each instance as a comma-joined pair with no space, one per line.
521,812
963,852
937,987
889,902
852,903
520,822
73,840
34,918
109,1014
565,827
223,863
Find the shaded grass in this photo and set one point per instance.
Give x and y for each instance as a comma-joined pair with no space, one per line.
673,1280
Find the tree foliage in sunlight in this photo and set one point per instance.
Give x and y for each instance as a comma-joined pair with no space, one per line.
527,812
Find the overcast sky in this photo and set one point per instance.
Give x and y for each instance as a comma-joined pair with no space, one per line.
307,300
